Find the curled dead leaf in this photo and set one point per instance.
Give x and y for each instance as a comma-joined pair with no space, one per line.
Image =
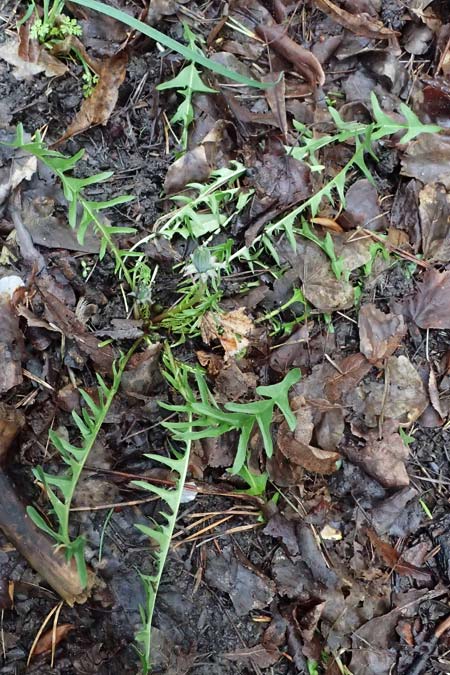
97,108
307,456
304,62
51,637
232,330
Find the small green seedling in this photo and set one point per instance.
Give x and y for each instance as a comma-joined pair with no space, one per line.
53,26
257,483
187,83
426,509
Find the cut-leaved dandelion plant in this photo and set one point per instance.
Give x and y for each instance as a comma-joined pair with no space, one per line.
83,213
60,488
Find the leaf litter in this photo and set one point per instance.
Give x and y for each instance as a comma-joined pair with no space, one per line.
353,504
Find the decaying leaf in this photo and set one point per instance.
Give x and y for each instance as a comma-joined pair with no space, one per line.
63,319
195,166
371,651
142,375
387,516
393,559
362,208
248,588
232,330
401,397
434,210
430,307
276,99
47,224
383,456
302,59
97,108
257,655
380,334
50,638
25,69
428,159
11,346
360,24
212,362
350,371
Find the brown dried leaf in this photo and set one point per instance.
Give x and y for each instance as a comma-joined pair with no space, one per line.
212,362
360,24
434,212
430,307
233,330
97,108
24,69
11,346
428,159
351,371
302,59
195,166
276,99
380,334
257,655
393,559
51,637
295,445
11,423
382,458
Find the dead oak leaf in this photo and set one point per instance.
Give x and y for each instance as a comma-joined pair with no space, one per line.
380,334
97,108
430,307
